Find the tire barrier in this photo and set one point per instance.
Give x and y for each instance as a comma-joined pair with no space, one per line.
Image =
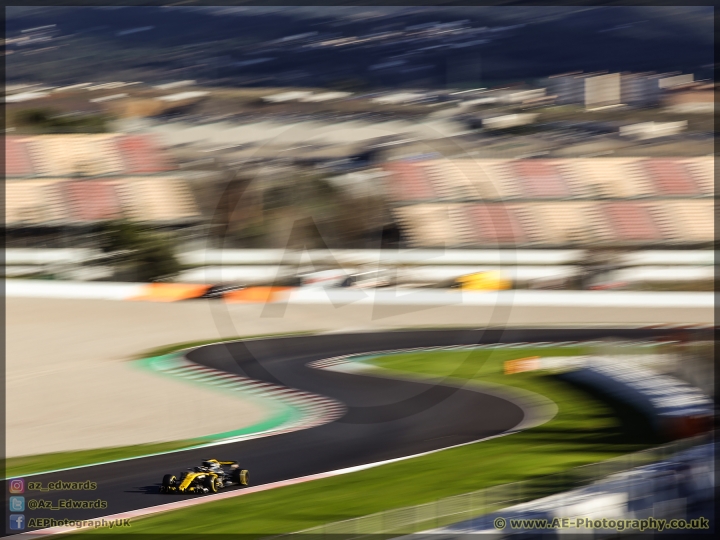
676,409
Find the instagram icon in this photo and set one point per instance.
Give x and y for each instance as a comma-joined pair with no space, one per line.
17,485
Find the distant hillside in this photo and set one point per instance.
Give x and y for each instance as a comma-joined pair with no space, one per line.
216,44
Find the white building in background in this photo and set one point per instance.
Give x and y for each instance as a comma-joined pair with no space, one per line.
697,100
400,98
325,96
646,89
508,121
639,89
567,87
599,90
14,88
676,80
25,96
286,96
651,130
176,84
602,90
108,98
180,96
589,89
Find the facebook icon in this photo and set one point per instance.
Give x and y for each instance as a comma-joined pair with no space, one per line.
17,522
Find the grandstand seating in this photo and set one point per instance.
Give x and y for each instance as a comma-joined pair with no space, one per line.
62,201
83,155
559,223
409,182
428,225
501,178
466,236
671,178
533,228
33,202
17,157
74,155
83,178
449,181
141,155
665,221
694,221
476,176
92,200
562,223
631,221
496,201
621,178
540,179
23,203
494,224
703,171
447,202
156,199
587,178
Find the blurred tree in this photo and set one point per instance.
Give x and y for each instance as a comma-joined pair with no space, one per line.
139,254
155,259
120,236
278,197
251,235
44,120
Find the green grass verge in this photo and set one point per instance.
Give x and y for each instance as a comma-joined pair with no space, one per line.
585,430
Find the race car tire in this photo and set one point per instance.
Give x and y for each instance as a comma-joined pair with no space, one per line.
212,484
168,480
241,477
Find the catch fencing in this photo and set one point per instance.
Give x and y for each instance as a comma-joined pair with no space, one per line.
449,510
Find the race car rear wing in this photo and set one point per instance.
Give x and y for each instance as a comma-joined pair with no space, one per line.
222,462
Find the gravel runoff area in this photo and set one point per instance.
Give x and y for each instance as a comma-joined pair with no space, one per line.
70,385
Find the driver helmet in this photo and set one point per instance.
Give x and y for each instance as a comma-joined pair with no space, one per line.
210,464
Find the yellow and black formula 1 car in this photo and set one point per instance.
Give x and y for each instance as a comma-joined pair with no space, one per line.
210,477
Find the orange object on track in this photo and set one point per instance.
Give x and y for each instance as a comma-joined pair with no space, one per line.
531,363
256,294
171,292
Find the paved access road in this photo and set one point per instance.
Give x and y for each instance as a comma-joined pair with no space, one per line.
386,418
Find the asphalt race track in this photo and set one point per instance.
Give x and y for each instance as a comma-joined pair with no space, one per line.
386,418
